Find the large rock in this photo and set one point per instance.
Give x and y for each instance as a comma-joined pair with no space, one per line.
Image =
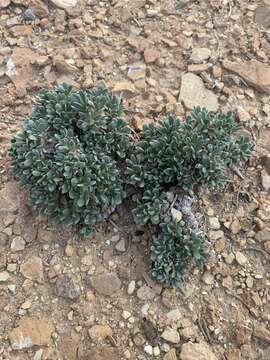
30,332
65,4
198,351
67,288
106,283
33,269
4,3
255,73
193,93
262,15
199,55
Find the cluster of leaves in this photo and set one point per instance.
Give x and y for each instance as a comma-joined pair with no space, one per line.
74,155
68,155
182,155
173,251
187,154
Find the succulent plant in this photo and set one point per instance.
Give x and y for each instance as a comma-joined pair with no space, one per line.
174,250
68,155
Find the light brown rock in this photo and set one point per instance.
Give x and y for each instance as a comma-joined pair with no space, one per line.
193,93
30,332
151,55
33,269
4,3
171,335
263,235
171,355
255,73
106,284
196,351
199,55
125,87
100,332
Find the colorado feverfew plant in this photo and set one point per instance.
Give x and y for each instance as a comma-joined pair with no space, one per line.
75,157
68,155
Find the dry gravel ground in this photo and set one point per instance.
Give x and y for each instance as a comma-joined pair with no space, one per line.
94,299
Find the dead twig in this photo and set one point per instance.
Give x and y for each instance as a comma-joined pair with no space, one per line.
237,171
242,302
250,248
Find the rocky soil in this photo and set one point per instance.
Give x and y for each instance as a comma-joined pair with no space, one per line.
94,299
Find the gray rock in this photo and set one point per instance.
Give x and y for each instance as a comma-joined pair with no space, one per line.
262,15
106,283
199,55
17,244
67,288
145,293
121,246
171,335
193,93
29,15
4,276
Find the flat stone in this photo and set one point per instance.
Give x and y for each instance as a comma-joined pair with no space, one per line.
171,335
199,55
4,3
64,4
262,15
4,276
125,87
214,223
106,284
30,332
98,333
208,278
121,246
17,244
263,235
198,351
171,355
240,258
193,93
66,287
145,293
174,315
255,73
151,55
33,269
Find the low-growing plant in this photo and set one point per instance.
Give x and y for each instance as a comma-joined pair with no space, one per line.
187,154
75,157
173,250
68,155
